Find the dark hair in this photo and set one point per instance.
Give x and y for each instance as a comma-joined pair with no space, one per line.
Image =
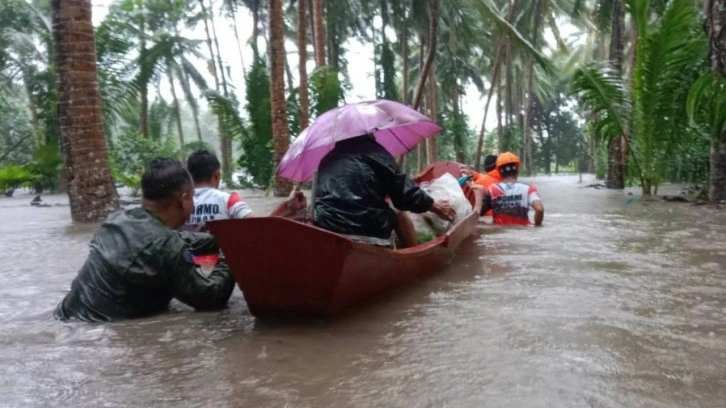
202,164
490,163
508,170
163,178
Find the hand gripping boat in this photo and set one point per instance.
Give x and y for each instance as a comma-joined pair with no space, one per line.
288,269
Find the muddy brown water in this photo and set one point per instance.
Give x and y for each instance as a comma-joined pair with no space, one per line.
616,302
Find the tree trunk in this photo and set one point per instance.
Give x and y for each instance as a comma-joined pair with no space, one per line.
482,132
508,88
616,161
528,163
302,44
90,188
431,149
494,82
236,37
404,56
215,74
318,32
177,110
144,91
277,92
184,76
431,53
256,5
226,141
500,128
716,24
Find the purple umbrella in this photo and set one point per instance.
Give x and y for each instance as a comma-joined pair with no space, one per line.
396,127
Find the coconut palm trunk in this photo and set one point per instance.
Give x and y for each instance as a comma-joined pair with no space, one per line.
144,91
280,131
716,24
90,188
176,107
431,53
318,32
616,161
302,44
225,139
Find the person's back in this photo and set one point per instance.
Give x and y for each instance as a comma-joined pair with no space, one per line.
210,203
138,263
354,180
509,200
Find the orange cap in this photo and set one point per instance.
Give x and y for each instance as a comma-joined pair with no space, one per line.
508,158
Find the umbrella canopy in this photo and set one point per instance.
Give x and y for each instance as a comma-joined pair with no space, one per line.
395,126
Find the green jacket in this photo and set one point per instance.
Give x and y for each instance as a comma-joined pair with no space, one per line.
137,265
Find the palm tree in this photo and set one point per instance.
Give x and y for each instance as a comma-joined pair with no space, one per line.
318,32
711,90
90,188
667,61
281,134
302,47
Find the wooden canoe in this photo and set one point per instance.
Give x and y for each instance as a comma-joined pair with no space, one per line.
288,269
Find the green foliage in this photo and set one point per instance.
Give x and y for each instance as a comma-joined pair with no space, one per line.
12,177
668,59
386,87
706,105
512,138
257,142
130,155
456,142
45,168
325,90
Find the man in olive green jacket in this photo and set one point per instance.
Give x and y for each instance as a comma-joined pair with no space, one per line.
138,262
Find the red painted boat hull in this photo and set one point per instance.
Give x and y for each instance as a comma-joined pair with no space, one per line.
289,269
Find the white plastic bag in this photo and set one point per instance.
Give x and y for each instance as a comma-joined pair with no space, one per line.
447,187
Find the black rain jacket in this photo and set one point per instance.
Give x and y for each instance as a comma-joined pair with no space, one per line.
354,180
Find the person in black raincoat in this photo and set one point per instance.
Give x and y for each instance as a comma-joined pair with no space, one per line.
355,179
138,263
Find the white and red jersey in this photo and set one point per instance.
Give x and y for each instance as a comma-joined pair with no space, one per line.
510,202
213,204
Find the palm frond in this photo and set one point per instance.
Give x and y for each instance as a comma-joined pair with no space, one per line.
602,90
706,104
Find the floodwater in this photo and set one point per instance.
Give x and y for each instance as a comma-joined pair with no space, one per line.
616,302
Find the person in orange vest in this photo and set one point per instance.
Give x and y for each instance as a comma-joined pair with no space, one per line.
486,179
509,199
490,175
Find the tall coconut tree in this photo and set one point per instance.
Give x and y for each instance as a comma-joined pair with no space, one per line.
707,99
318,13
302,47
669,51
716,23
88,176
281,133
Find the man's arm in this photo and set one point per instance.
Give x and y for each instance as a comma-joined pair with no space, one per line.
538,212
188,283
237,207
536,203
404,193
200,243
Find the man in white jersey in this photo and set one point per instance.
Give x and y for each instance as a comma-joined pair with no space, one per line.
210,203
509,199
